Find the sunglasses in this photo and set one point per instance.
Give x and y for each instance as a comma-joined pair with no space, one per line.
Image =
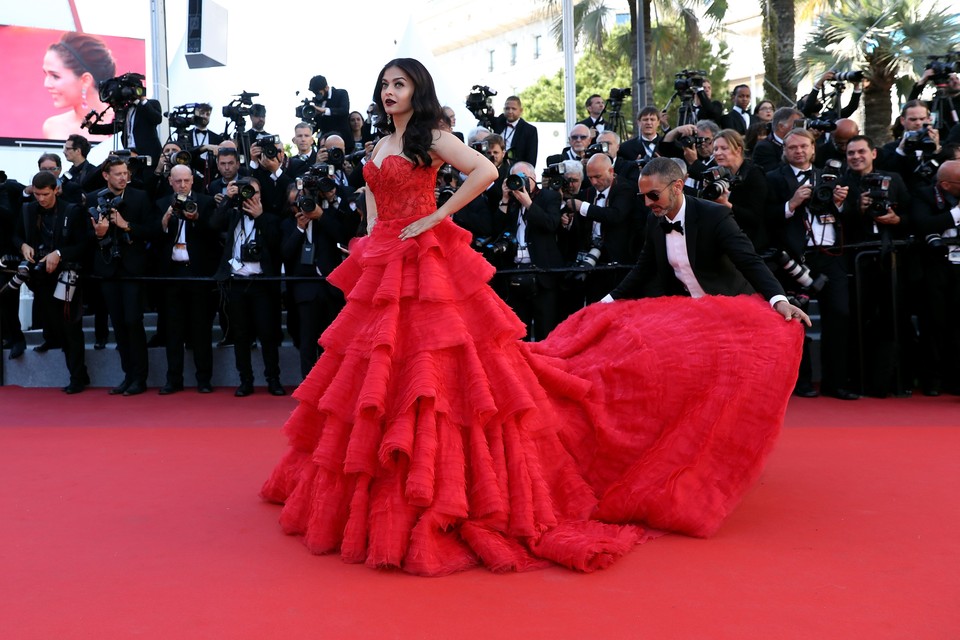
579,137
654,195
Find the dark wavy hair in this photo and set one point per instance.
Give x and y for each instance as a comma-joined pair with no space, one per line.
82,53
427,112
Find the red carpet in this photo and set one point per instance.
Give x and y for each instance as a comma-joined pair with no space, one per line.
138,517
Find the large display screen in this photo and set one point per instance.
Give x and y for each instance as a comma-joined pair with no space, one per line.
50,79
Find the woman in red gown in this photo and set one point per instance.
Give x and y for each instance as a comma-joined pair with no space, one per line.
430,438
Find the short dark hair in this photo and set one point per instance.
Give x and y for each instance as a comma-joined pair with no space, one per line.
44,180
664,168
864,138
911,104
111,162
514,99
49,156
79,143
737,88
648,111
596,95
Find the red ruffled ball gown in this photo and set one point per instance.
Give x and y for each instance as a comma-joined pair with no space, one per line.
428,437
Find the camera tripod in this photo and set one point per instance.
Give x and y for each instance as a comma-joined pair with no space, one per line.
942,110
687,114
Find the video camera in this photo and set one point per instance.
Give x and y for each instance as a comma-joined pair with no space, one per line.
942,66
480,103
182,117
240,106
615,101
308,111
121,92
688,82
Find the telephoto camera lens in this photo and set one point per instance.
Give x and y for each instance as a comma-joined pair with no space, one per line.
514,183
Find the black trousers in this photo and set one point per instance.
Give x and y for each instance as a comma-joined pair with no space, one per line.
64,321
534,302
187,305
939,334
316,314
10,312
125,305
834,301
253,312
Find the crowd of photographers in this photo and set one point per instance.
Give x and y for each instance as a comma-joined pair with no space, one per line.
863,226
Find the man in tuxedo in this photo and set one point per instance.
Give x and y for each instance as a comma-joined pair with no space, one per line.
310,251
188,249
695,248
899,157
228,165
579,141
258,120
251,251
202,143
532,217
54,237
519,135
809,223
306,151
834,147
333,107
705,107
123,231
140,129
768,154
739,118
644,146
594,120
82,173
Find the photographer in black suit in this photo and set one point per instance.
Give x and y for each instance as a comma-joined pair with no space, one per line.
54,238
739,117
310,250
306,150
532,217
188,249
333,106
124,221
807,218
83,174
140,129
519,136
768,154
252,251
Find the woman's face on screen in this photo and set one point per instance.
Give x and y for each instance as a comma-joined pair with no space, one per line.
63,84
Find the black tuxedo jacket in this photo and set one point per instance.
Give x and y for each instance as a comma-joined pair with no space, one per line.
297,166
267,233
859,226
543,221
566,154
146,118
202,240
339,119
721,255
633,148
590,124
525,144
791,233
326,233
748,195
72,231
930,211
768,154
144,220
617,217
733,120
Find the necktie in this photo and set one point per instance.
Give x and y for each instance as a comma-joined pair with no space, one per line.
671,226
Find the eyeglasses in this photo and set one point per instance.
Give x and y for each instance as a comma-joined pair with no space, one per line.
655,195
578,137
69,148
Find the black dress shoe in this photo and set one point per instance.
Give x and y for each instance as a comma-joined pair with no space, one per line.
244,390
275,388
841,394
204,387
805,391
99,346
17,349
168,388
43,347
135,389
73,387
120,388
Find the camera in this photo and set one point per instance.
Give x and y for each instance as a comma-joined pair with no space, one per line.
801,273
516,182
307,111
21,273
319,178
935,242
502,244
919,140
815,124
121,92
691,141
105,202
595,148
182,205
268,145
480,103
553,177
132,161
716,181
848,76
942,66
821,198
588,259
239,108
688,82
182,117
877,187
481,146
617,95
335,157
250,251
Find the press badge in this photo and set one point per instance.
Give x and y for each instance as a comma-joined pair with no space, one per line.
306,253
827,218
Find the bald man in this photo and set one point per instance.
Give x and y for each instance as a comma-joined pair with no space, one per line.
188,249
835,145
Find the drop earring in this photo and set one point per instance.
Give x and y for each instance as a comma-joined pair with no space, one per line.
389,119
83,98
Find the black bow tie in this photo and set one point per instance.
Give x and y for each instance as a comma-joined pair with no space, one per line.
671,226
805,176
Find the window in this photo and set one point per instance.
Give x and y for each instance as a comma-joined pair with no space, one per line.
513,54
536,47
490,66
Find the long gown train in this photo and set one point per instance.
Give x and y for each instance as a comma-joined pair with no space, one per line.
428,437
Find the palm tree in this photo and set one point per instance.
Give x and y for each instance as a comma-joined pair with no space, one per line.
888,39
